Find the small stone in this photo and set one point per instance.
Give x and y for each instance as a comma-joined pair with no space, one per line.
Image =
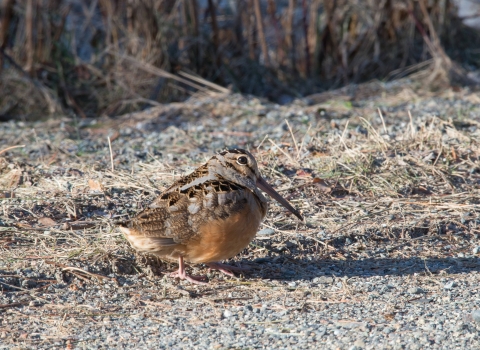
449,285
476,316
292,284
387,330
266,232
28,283
359,343
323,279
414,290
227,313
321,234
476,250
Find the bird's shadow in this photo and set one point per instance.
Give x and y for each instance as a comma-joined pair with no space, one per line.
292,268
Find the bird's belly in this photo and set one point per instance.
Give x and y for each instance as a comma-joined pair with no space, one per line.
224,238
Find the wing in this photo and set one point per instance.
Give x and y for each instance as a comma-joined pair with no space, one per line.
176,215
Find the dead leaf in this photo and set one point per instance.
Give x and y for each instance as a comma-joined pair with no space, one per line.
73,287
454,154
318,154
322,185
421,190
46,222
389,316
76,172
303,173
95,185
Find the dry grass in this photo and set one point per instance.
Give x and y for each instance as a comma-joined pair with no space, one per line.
117,57
367,185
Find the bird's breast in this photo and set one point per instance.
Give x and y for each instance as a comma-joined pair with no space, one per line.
224,238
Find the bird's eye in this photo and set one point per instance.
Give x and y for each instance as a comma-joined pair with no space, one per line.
242,160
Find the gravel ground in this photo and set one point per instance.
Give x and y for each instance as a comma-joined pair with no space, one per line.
389,257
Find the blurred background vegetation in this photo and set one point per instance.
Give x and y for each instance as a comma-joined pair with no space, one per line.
106,57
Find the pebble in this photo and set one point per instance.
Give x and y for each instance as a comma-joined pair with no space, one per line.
476,316
266,232
476,250
227,314
415,290
450,285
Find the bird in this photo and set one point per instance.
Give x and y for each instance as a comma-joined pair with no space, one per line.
207,216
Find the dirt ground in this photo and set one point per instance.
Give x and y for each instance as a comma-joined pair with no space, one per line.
388,180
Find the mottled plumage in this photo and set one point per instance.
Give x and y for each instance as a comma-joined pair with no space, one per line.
207,216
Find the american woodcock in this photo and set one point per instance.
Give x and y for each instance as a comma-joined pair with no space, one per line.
207,216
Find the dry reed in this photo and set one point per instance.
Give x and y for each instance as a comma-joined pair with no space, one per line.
256,47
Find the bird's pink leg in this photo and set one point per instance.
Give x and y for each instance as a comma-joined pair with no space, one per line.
183,276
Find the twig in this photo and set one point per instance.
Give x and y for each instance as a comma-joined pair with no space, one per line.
11,147
281,150
204,82
91,274
261,143
6,306
411,124
162,73
111,153
304,136
293,136
343,135
383,121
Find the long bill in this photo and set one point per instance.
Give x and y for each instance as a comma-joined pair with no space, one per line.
264,186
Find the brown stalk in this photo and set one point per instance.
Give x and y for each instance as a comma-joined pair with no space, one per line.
272,11
305,32
261,32
247,20
39,30
182,11
59,29
290,34
29,49
130,19
106,9
215,36
193,10
7,9
313,32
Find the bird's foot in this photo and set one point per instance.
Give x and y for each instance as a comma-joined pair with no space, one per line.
227,269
